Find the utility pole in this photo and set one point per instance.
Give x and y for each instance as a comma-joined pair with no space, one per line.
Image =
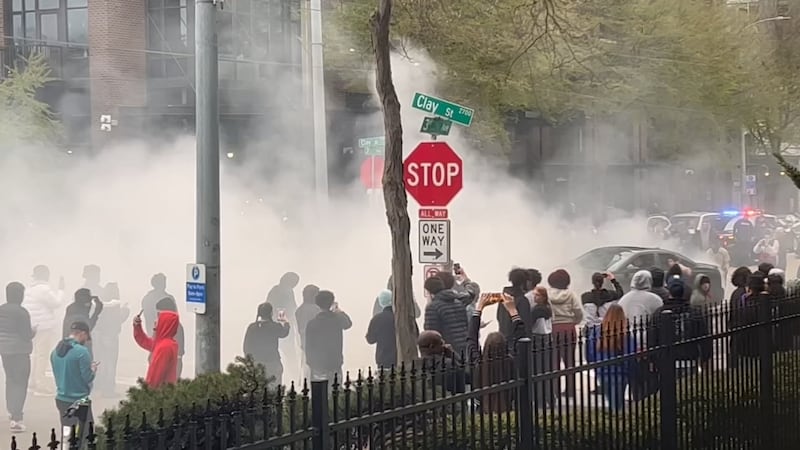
318,101
207,334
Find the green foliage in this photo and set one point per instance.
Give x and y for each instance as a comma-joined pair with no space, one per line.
672,65
242,380
23,117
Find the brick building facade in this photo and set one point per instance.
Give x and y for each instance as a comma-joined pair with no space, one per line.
133,60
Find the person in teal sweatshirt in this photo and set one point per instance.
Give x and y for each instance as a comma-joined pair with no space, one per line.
73,370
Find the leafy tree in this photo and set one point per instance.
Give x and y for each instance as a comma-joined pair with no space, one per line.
673,65
24,118
772,94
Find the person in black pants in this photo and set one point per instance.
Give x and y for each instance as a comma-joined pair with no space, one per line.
262,338
16,345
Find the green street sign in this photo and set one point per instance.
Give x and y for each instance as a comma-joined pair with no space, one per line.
373,146
438,107
436,126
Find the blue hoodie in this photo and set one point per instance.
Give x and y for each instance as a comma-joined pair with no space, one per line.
72,369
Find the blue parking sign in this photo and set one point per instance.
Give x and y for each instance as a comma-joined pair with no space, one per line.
196,288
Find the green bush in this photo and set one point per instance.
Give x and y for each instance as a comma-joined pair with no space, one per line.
243,384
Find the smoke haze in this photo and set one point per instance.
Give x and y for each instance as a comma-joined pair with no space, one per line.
131,210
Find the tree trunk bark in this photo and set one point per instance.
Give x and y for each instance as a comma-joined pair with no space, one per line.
394,193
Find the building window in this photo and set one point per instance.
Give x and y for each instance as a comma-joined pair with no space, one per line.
50,20
168,25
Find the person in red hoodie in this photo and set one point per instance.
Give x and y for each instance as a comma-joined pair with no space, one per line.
163,348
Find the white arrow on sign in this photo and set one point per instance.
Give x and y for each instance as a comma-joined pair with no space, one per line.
434,241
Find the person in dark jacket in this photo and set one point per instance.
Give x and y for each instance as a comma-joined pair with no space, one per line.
305,312
381,332
437,356
106,332
494,361
447,315
595,302
261,341
675,272
159,292
80,310
520,282
324,338
16,345
744,343
168,304
376,307
659,288
765,267
282,299
739,279
690,323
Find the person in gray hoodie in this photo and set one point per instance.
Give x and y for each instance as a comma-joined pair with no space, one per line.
567,315
16,345
639,304
701,292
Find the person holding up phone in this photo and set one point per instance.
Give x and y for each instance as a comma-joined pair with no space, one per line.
163,348
596,301
262,339
519,279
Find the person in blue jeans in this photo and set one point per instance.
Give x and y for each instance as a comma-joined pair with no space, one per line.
608,341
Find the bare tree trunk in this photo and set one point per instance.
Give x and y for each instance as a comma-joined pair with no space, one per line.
394,193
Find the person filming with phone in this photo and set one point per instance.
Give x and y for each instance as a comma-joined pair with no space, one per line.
163,348
262,339
597,301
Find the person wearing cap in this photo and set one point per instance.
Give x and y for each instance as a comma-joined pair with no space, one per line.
73,370
43,303
80,310
16,345
381,332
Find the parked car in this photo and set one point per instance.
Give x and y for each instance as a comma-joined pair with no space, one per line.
624,261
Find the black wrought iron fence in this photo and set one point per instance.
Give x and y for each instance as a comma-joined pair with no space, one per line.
725,377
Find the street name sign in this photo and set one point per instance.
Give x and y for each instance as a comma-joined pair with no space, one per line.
442,108
436,126
196,288
434,241
432,174
373,146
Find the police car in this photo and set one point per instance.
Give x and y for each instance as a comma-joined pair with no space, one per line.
756,217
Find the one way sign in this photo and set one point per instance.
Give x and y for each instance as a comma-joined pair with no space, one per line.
434,241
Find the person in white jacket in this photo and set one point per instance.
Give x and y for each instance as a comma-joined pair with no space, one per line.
767,249
43,304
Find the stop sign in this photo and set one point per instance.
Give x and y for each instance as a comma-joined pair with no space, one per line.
432,174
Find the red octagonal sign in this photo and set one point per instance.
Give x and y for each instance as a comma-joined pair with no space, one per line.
432,174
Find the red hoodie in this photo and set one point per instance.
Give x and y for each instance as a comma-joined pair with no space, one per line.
163,349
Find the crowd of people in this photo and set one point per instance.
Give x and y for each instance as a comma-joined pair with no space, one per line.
35,335
544,312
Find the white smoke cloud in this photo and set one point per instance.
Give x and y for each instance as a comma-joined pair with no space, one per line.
132,211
